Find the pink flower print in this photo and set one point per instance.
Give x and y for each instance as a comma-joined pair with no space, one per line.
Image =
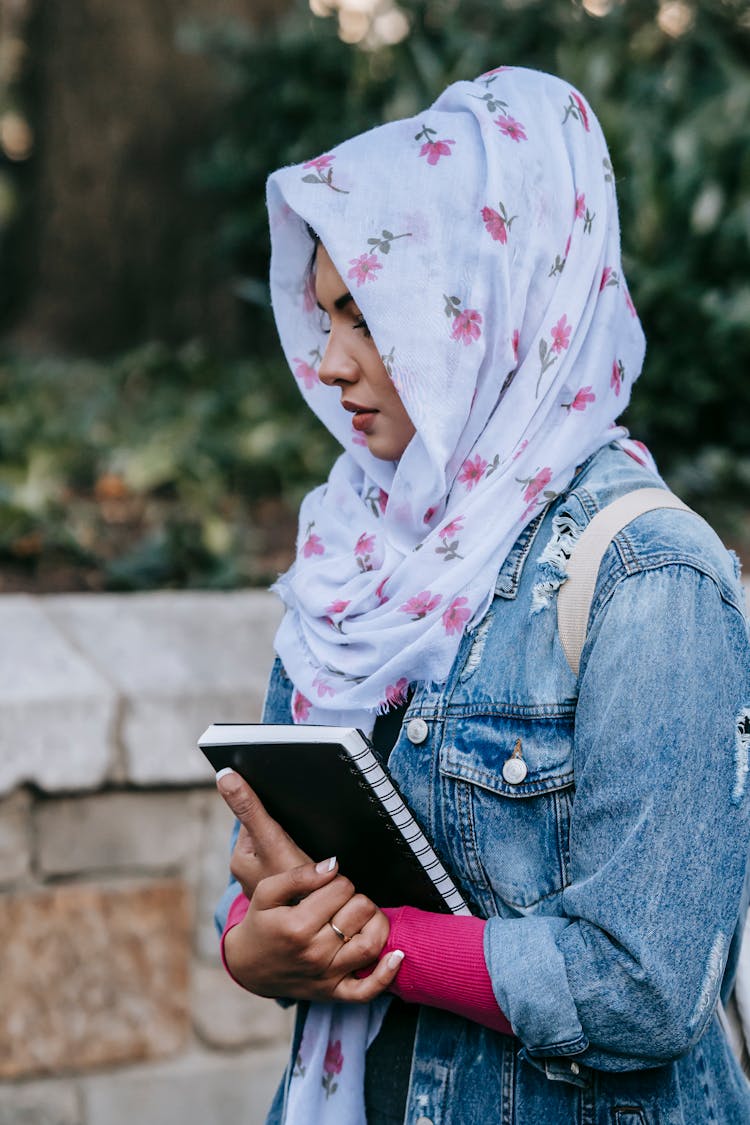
323,173
645,459
337,607
497,223
465,321
510,127
609,277
452,528
308,294
520,449
629,303
561,334
618,374
358,439
300,707
421,604
313,545
472,471
365,545
382,598
433,150
377,498
496,70
515,341
319,162
306,373
580,206
395,694
534,485
322,686
583,397
466,326
332,1064
364,268
456,615
576,108
428,515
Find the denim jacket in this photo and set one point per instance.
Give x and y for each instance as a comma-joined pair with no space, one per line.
612,864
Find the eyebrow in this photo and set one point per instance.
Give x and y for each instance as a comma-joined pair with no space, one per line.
340,302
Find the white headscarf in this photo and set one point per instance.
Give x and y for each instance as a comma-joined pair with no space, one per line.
481,242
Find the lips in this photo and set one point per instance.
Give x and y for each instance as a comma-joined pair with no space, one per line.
356,408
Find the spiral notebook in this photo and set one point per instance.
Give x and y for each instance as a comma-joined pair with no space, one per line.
327,789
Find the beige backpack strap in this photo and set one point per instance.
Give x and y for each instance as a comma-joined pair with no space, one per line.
574,597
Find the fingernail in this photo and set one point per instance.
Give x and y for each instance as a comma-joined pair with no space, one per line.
395,958
224,772
325,865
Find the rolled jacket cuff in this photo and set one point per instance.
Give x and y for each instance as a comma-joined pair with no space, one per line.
530,982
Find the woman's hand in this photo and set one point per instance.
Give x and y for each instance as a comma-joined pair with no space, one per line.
263,848
286,945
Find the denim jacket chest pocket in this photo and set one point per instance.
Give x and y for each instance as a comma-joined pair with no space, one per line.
507,794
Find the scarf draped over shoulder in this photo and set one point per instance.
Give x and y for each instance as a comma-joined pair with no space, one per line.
481,242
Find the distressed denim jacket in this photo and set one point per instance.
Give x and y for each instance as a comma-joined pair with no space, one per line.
612,865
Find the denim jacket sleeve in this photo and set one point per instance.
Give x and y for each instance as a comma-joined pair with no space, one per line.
630,976
277,708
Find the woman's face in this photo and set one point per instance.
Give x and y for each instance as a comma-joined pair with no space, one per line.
352,363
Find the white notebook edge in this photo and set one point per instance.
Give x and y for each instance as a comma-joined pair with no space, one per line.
360,753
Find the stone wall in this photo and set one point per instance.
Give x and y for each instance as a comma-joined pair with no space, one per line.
113,850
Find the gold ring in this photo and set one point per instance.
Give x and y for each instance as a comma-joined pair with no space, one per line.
338,932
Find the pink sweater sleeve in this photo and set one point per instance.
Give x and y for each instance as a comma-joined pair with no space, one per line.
237,912
444,965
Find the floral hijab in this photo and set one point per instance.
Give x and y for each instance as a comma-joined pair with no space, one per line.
481,242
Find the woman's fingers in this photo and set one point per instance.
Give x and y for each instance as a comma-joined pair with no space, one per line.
352,990
364,947
244,802
290,887
354,914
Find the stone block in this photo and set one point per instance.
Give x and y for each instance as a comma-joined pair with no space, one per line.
15,838
226,1016
93,976
196,1089
180,662
111,832
39,1103
57,713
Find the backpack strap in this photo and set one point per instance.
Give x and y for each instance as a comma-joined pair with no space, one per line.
575,595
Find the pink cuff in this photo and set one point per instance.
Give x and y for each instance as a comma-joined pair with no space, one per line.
237,912
444,965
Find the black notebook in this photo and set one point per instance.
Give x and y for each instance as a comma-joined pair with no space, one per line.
326,788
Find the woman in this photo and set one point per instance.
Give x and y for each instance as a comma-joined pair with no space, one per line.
481,343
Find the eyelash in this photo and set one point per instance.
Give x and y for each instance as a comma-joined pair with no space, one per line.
361,323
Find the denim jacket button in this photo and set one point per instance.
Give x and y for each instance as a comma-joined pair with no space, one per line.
423,1120
417,730
574,1068
514,770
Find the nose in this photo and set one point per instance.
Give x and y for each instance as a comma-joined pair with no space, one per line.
338,366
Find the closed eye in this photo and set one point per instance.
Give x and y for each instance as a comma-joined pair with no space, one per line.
362,323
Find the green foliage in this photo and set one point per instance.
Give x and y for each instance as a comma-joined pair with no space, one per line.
158,469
